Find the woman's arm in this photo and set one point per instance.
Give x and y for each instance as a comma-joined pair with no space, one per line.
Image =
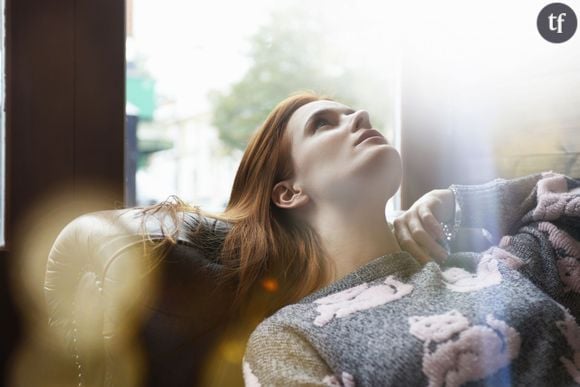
498,205
535,222
495,206
277,356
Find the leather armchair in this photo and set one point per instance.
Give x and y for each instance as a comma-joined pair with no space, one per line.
126,316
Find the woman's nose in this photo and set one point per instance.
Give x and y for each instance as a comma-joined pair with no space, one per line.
361,119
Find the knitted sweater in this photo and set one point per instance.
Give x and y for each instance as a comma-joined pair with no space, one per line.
505,316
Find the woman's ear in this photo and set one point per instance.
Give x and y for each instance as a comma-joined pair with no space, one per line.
284,195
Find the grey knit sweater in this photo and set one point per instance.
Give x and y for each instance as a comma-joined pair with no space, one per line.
505,316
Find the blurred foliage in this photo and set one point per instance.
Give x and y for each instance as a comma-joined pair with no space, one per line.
289,54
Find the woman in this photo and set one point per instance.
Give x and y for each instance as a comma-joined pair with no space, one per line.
357,302
381,317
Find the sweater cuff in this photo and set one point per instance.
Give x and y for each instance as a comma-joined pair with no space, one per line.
498,205
480,204
450,229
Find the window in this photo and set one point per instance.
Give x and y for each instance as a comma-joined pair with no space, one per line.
485,98
200,81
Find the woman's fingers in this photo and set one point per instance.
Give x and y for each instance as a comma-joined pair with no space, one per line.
430,222
419,228
407,242
425,240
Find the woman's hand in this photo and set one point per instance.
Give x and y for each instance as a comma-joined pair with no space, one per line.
419,228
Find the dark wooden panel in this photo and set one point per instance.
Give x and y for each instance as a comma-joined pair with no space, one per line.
65,101
100,95
41,101
66,98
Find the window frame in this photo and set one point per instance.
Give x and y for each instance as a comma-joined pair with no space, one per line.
64,119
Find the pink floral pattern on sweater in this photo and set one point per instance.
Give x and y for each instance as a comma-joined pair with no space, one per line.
554,199
571,332
460,280
250,379
487,273
347,380
454,353
567,255
359,298
510,260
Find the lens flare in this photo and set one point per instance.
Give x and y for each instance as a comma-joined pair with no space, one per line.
83,277
270,285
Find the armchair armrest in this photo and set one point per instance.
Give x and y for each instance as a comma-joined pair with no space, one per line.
122,314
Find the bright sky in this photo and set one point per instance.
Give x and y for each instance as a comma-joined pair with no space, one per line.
193,47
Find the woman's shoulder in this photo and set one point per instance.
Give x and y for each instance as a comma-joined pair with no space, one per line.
283,325
288,315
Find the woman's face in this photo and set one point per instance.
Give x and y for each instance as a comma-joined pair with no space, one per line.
331,160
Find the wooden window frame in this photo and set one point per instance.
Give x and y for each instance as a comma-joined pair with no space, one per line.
65,117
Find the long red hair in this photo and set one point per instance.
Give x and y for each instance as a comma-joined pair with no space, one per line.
274,258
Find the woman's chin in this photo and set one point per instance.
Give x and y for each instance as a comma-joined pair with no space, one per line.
386,165
385,180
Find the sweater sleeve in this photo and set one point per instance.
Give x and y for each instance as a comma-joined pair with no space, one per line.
538,220
497,205
277,356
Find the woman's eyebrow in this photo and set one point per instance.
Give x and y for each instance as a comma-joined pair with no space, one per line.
322,112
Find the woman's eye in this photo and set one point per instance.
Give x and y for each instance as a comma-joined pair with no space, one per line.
320,123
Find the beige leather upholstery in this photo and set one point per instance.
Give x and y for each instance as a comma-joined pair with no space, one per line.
117,309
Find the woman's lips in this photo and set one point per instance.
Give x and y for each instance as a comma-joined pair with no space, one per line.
374,138
369,134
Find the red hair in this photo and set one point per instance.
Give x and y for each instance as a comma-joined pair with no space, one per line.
274,258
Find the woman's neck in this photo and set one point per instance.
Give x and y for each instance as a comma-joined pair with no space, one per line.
354,238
